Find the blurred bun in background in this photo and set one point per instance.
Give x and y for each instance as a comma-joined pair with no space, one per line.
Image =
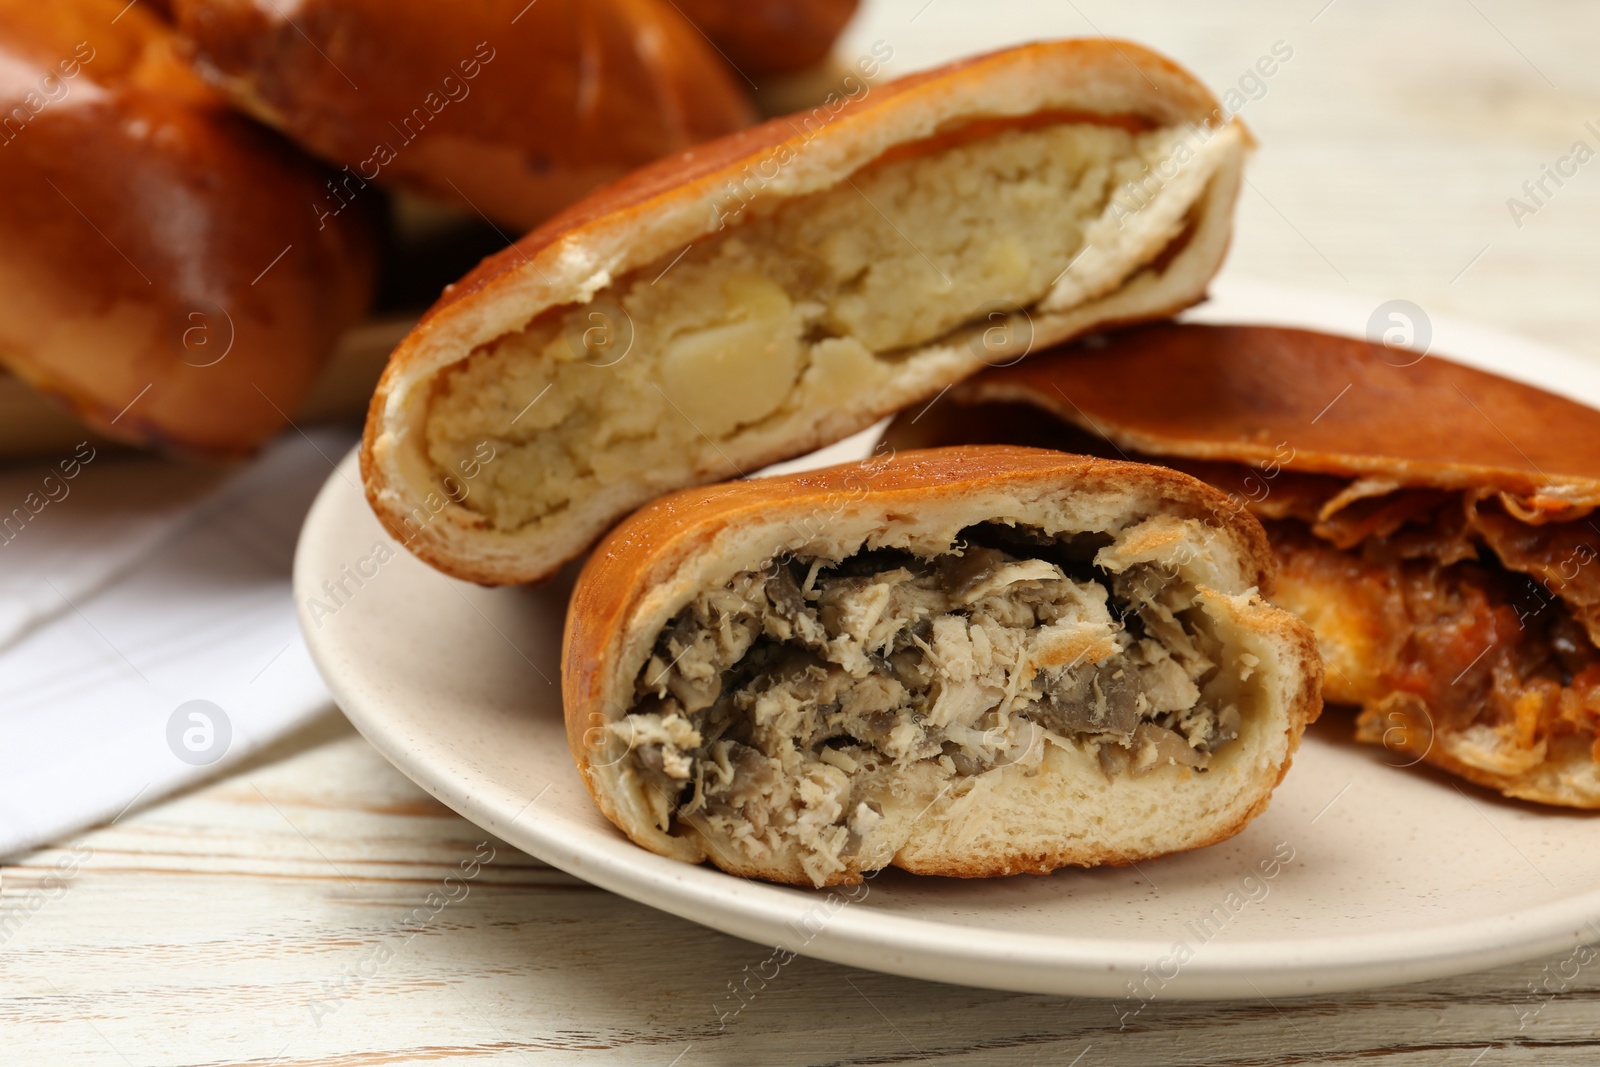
500,106
181,277
164,273
771,37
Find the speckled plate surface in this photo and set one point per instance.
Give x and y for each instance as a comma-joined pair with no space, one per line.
1360,874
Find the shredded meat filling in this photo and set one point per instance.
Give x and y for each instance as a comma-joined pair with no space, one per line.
1465,623
1557,549
778,708
1441,641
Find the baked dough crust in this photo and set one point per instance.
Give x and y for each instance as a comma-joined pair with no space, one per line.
164,275
1067,811
1325,433
512,109
657,213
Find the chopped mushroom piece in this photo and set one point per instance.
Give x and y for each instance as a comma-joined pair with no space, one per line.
777,707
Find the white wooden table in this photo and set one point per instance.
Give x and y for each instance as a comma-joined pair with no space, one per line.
291,912
281,916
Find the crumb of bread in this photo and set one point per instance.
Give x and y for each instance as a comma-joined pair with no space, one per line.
796,309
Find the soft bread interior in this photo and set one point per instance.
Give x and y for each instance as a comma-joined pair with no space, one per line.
798,321
1003,698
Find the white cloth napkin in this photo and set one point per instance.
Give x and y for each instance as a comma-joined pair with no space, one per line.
69,526
147,628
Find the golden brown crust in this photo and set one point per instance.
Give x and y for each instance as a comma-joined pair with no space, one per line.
623,582
655,212
770,36
1566,777
447,558
654,540
698,172
508,108
1234,393
149,230
1234,397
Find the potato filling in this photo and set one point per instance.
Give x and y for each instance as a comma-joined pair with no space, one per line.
800,307
779,712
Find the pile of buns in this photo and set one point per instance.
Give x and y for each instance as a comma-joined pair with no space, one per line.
1074,609
193,211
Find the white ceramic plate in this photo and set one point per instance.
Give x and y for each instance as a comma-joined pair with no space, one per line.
1378,875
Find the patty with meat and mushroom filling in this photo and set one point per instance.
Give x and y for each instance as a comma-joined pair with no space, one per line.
779,705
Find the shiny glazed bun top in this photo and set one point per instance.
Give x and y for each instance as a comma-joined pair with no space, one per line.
164,272
509,108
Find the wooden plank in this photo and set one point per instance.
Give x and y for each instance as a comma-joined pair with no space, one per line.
299,913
